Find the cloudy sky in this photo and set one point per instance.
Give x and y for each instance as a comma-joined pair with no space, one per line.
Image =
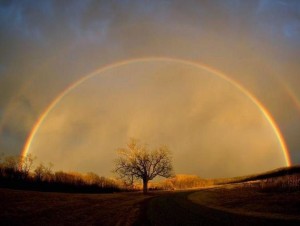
213,127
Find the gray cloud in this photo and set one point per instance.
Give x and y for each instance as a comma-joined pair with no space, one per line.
47,45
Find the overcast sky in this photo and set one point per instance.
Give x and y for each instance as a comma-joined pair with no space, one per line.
212,127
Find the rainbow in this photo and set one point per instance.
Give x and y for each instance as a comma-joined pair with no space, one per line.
292,96
71,87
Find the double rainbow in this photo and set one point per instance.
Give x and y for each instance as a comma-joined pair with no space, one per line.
71,87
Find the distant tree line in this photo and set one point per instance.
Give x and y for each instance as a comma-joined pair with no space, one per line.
18,173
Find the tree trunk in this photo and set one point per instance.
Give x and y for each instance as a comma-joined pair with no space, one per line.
145,186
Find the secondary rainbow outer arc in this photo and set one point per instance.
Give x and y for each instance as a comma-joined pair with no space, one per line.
52,105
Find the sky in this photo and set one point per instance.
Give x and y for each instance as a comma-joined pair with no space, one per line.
209,122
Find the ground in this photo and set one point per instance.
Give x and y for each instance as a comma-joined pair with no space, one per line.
45,208
224,205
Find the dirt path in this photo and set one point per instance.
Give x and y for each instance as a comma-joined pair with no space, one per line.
177,209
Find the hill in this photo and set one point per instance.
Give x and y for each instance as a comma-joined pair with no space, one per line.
280,172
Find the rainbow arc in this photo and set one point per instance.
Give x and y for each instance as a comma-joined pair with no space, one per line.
215,72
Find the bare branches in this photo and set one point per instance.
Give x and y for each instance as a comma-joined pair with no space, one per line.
138,162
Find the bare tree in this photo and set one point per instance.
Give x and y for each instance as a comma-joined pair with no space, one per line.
10,167
18,166
43,173
138,162
25,164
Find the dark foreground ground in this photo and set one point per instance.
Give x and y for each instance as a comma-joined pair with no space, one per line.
204,207
179,209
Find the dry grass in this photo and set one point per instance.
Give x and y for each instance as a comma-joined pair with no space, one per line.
276,173
181,182
288,183
42,208
251,199
274,197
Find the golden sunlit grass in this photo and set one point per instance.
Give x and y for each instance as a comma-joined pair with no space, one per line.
181,182
279,172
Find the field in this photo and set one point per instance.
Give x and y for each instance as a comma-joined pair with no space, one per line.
272,198
43,208
252,202
223,205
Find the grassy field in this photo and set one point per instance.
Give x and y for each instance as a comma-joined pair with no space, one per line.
273,200
247,200
280,172
225,205
43,208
